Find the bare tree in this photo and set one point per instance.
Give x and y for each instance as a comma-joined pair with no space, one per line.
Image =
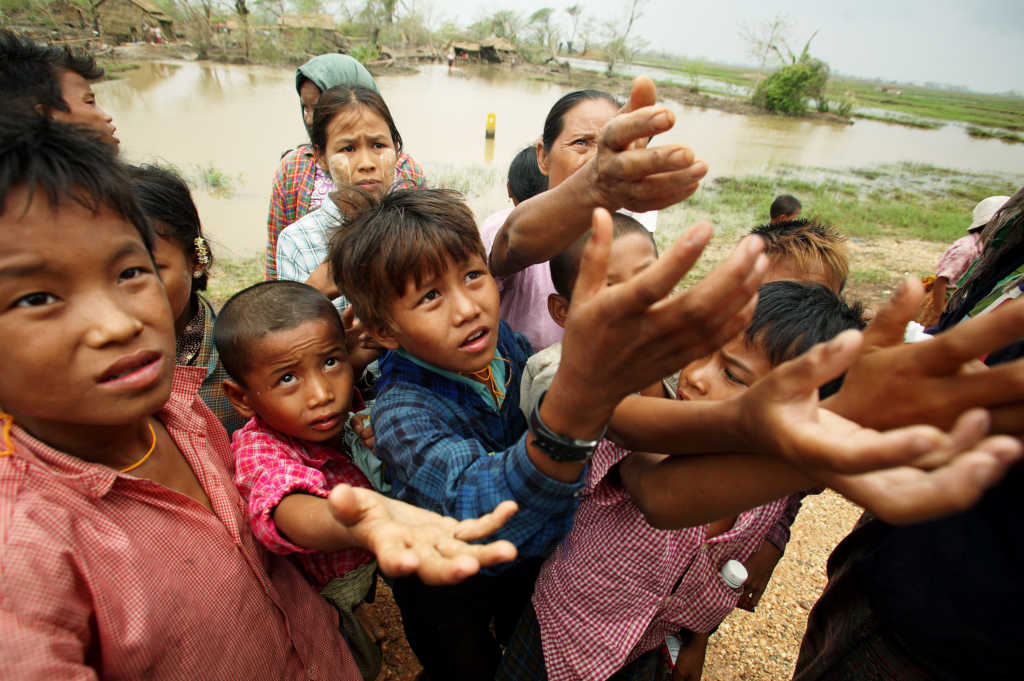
766,40
575,13
545,32
621,46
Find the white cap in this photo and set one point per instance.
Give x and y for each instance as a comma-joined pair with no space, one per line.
984,211
734,574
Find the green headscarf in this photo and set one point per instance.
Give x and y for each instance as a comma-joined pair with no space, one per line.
329,70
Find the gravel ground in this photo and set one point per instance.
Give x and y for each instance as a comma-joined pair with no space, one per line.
758,646
763,645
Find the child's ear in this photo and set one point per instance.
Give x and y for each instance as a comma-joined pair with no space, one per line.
238,398
558,308
385,336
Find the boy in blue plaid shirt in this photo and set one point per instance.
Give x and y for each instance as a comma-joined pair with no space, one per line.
447,419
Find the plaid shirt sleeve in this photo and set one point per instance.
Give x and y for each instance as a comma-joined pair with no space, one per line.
408,173
780,532
437,468
292,176
266,471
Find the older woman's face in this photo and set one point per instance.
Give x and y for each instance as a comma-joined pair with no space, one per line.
577,142
308,94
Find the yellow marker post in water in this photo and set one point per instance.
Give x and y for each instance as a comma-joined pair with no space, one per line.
492,123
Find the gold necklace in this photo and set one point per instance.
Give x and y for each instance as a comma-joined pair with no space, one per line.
145,456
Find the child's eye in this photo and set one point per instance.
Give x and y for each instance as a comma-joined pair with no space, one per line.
131,273
431,295
287,379
581,141
331,362
734,378
474,274
348,148
36,300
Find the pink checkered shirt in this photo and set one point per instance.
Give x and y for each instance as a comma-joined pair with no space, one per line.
106,575
268,467
616,586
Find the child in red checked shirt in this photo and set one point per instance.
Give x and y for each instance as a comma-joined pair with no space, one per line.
283,344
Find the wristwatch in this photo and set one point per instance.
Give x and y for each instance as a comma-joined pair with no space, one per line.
560,448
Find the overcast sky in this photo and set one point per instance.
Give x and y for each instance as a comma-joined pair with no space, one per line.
974,43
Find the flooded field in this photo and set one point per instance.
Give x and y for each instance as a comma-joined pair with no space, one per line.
230,125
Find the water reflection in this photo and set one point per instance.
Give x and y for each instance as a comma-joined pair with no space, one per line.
240,119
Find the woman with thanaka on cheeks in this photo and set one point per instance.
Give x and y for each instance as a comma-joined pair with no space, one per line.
301,184
355,140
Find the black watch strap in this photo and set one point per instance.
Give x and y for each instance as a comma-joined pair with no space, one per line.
560,448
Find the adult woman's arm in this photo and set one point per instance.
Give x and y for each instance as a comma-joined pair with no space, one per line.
620,175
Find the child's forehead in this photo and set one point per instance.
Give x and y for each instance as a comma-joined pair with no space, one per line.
33,226
311,336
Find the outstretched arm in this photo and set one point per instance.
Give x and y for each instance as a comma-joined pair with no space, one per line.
406,540
620,175
892,384
620,339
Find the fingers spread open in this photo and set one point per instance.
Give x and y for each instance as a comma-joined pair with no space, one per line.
594,261
658,280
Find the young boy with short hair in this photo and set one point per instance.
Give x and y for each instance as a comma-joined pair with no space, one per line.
283,346
447,419
124,546
54,81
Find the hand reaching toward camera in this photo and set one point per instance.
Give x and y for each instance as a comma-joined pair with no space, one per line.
409,540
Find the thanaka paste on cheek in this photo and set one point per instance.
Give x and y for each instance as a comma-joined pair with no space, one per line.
340,170
388,159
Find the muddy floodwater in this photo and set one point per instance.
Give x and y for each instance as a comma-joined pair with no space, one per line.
240,119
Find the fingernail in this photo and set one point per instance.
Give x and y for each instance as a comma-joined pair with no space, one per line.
662,120
681,157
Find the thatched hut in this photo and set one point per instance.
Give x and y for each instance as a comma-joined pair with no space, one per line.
497,50
125,20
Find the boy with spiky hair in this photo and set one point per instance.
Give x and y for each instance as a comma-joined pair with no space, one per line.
805,250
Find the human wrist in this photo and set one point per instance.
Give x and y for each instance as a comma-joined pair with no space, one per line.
573,411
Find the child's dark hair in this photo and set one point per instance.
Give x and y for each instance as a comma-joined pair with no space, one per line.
65,163
793,316
29,71
262,309
784,204
341,97
810,244
555,121
406,233
566,265
166,200
524,177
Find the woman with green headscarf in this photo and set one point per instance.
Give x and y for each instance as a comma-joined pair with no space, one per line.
301,185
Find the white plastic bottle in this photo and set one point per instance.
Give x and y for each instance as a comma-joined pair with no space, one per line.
734,574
